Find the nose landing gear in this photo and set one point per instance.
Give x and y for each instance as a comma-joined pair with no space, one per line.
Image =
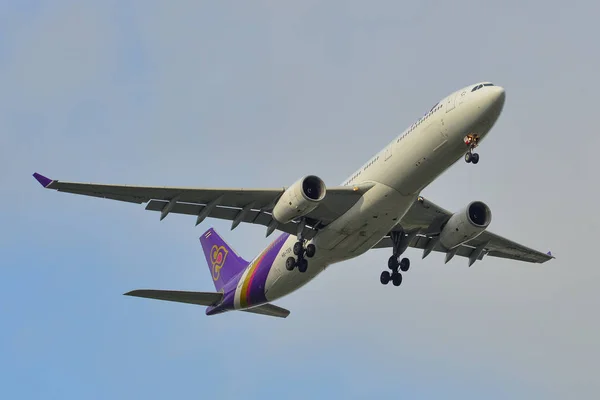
472,157
471,141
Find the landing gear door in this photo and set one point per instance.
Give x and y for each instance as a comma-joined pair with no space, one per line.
451,102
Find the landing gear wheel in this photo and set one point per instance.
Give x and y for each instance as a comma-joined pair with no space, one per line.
396,279
310,250
302,265
475,158
290,263
469,157
298,248
400,241
404,264
385,277
393,263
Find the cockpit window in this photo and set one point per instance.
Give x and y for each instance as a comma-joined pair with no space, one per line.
481,85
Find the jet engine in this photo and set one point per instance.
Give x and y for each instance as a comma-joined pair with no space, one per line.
299,199
466,225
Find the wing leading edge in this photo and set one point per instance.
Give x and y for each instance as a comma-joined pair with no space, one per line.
237,205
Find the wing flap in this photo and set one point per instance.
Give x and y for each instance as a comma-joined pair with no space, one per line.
251,217
270,310
199,298
420,242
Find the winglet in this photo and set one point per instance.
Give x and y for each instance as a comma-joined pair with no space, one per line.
45,182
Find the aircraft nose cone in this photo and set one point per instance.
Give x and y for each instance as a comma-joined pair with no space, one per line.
493,101
497,95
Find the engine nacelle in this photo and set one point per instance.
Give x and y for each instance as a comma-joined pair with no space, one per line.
466,224
299,199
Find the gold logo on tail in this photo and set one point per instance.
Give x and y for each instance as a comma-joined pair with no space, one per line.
218,254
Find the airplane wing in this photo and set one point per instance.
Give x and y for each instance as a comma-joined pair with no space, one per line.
237,205
270,310
426,218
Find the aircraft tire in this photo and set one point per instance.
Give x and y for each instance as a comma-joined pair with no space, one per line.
310,250
290,263
298,248
475,158
397,279
404,264
302,265
468,157
385,277
393,263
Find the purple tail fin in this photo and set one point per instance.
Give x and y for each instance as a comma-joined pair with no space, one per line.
222,260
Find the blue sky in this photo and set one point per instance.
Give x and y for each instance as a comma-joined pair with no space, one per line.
257,94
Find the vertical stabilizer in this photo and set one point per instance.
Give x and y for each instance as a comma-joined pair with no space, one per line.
223,261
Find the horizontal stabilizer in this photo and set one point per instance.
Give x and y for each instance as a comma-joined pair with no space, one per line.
200,298
270,310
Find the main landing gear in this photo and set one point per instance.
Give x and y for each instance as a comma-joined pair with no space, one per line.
300,252
471,141
400,244
394,276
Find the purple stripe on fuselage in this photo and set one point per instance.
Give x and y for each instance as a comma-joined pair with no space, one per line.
257,288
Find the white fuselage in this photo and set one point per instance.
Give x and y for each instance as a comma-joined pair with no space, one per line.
400,171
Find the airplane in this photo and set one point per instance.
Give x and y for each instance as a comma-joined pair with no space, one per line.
378,206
